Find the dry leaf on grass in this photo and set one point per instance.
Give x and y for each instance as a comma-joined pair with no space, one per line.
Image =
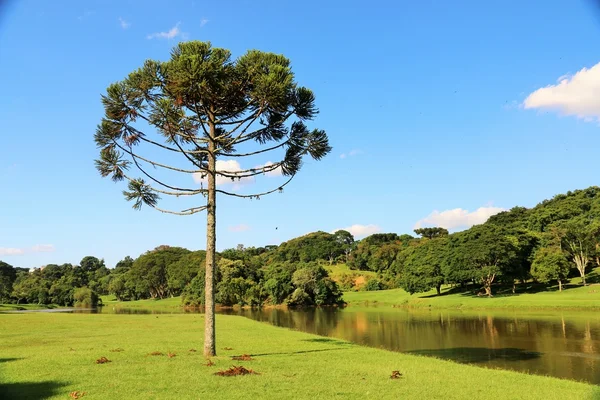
234,371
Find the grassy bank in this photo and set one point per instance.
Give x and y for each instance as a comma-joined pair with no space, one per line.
21,307
51,355
574,297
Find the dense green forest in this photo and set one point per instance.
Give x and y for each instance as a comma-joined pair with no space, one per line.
546,244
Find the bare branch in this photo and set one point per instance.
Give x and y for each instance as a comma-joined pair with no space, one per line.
256,195
156,164
189,211
258,151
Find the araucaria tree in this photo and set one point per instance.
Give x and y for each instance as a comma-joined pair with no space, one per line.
180,116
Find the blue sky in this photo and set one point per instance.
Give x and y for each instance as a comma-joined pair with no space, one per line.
439,113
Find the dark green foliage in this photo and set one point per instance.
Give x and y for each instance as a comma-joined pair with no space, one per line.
149,273
378,252
431,233
8,275
181,272
423,265
312,247
193,294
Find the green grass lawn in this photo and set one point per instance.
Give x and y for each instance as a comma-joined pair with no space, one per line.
336,270
169,302
51,355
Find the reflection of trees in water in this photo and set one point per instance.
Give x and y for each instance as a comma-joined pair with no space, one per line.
554,345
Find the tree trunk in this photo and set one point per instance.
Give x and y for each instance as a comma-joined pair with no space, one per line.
514,288
211,239
488,290
438,288
559,285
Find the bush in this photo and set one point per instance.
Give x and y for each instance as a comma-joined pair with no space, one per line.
85,297
346,282
372,285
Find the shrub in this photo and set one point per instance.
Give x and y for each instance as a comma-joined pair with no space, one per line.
372,285
85,297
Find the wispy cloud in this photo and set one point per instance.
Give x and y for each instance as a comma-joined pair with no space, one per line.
203,22
170,34
124,24
351,153
38,248
575,95
458,217
238,228
360,231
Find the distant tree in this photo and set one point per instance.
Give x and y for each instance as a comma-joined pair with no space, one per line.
180,273
431,233
124,265
424,265
345,240
91,264
380,238
550,264
578,241
481,253
203,106
149,271
8,275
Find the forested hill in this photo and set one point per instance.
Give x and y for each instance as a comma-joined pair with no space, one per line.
549,242
556,239
581,205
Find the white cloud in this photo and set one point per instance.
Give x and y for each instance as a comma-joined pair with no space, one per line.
42,248
276,172
170,34
11,251
239,228
360,231
351,153
124,24
573,95
203,22
232,167
38,248
458,218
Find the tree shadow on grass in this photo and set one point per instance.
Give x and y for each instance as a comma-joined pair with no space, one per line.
30,390
3,360
470,355
291,353
327,340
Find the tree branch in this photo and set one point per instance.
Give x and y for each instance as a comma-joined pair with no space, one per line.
257,195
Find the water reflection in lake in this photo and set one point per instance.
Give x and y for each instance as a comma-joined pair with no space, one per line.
561,344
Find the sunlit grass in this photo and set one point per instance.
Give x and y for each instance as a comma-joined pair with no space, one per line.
51,355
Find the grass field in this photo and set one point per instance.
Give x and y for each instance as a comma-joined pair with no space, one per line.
51,355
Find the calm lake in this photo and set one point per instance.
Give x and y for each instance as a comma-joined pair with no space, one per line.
564,344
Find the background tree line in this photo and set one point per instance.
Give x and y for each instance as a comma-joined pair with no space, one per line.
556,239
